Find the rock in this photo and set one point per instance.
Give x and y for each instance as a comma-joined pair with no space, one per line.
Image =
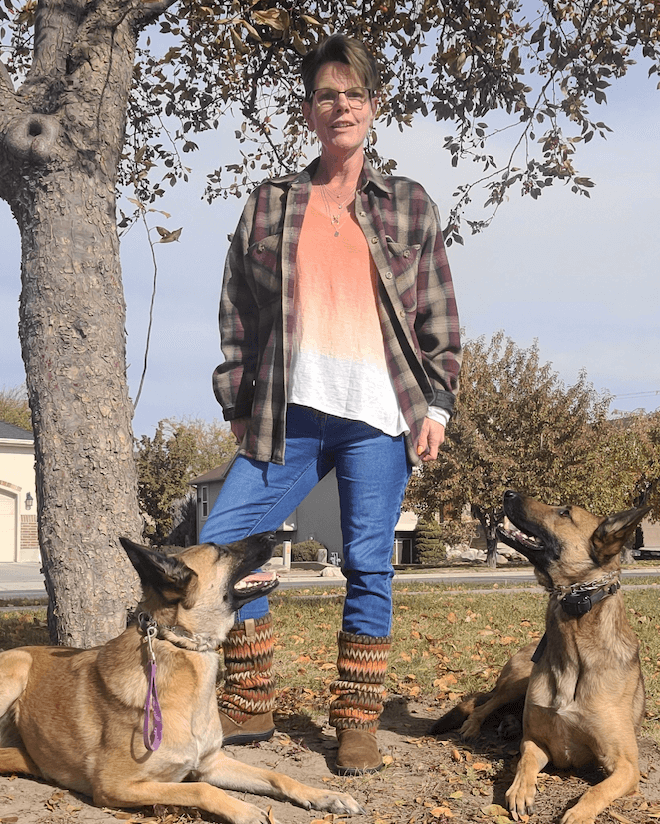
331,572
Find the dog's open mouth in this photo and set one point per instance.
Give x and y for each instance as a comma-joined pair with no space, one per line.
254,586
520,541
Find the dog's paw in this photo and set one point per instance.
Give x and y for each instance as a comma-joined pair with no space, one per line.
249,814
520,798
509,728
470,729
338,803
574,816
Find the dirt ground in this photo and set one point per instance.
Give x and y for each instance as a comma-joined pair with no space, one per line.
425,780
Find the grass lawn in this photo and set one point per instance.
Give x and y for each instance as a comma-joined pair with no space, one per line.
445,643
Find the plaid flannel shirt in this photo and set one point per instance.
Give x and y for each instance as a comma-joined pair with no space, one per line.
417,307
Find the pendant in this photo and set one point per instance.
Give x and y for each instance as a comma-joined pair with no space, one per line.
337,233
335,220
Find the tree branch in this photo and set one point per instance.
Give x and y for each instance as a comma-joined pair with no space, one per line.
150,10
55,28
5,79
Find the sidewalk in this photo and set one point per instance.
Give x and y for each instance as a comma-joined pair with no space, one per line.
24,580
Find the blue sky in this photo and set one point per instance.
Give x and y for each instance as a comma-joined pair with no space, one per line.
580,275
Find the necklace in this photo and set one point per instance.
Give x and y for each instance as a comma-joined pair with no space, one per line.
336,219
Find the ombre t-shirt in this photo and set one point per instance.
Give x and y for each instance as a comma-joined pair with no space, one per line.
338,361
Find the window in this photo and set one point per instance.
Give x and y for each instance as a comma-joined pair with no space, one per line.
204,500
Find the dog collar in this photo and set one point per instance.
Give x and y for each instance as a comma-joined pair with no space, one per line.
179,636
578,599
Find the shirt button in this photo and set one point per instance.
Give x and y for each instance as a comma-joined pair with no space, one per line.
374,240
362,214
260,247
406,254
388,275
402,313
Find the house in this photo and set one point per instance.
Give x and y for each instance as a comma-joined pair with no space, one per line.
317,517
18,518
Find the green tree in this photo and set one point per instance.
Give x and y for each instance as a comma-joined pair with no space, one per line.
166,463
85,109
14,407
517,426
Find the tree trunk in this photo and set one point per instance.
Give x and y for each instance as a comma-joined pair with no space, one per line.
60,142
489,520
72,317
491,549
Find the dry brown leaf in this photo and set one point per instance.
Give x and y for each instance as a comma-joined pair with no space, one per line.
619,817
451,618
480,766
437,812
495,809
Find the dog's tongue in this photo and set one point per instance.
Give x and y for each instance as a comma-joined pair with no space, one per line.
256,578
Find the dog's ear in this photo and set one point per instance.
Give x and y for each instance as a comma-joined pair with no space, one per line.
166,574
614,531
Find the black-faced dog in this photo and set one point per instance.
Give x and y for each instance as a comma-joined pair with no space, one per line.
582,685
135,722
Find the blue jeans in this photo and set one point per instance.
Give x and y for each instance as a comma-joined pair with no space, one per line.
372,474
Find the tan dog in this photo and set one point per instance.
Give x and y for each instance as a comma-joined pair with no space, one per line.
583,688
77,717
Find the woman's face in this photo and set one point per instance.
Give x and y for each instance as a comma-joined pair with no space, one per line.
340,128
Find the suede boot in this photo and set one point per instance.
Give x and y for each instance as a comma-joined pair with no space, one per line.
355,712
248,697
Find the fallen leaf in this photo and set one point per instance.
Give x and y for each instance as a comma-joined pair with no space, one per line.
437,812
620,818
495,809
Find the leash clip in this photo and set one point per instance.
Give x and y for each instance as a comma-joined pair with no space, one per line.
152,736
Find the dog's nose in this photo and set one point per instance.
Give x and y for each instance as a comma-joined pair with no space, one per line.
510,494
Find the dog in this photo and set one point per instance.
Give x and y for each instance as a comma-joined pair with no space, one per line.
582,684
135,722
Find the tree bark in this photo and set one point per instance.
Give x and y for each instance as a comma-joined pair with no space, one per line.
60,142
72,317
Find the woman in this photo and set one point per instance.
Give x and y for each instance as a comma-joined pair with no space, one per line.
341,343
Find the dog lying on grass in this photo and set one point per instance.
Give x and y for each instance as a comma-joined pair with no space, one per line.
582,685
135,722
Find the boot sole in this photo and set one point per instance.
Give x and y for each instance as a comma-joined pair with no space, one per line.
358,770
248,737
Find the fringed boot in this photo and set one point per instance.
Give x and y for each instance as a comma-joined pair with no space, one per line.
360,690
248,696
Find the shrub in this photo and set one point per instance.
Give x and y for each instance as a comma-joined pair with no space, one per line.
306,551
430,549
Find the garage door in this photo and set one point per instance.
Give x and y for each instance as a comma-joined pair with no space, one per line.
7,527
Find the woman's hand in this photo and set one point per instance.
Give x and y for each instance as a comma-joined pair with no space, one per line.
430,439
239,428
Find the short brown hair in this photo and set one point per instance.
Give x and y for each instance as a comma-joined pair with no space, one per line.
340,49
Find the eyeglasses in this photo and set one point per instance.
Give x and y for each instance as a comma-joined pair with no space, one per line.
356,97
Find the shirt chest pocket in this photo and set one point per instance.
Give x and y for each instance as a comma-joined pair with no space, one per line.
263,258
403,263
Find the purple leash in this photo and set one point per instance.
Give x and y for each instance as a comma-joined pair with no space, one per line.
153,737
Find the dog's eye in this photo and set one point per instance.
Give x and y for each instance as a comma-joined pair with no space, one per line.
564,512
